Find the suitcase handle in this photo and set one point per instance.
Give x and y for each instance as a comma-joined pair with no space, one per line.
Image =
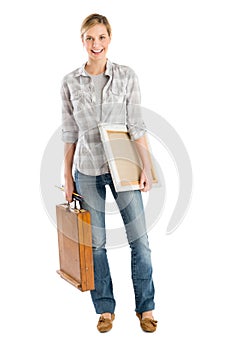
75,200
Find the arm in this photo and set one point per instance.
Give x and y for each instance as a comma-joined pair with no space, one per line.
69,137
146,175
136,128
69,150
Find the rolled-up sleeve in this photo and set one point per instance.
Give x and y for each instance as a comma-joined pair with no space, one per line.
135,122
69,126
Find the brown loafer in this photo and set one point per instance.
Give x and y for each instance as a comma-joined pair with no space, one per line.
105,324
147,324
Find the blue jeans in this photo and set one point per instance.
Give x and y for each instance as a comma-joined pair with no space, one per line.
93,188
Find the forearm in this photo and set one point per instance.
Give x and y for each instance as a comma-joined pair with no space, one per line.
143,151
69,151
146,174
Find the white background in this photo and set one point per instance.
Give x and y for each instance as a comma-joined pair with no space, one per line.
183,54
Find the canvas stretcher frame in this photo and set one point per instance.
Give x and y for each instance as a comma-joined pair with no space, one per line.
123,159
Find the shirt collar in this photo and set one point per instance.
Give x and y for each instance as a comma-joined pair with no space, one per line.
82,72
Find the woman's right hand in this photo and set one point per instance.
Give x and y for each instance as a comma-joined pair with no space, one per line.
69,189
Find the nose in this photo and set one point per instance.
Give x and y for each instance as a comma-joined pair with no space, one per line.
95,43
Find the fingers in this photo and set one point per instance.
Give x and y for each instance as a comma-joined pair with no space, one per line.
145,182
146,188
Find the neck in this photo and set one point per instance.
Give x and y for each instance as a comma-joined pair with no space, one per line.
96,67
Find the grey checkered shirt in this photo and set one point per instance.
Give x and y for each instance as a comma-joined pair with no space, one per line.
80,119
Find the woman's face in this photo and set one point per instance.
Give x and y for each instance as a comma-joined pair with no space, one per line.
96,41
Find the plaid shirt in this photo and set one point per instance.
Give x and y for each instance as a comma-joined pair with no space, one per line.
80,119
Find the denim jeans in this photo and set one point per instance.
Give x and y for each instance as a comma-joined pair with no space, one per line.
130,204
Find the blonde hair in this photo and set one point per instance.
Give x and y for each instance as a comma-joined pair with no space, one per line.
92,20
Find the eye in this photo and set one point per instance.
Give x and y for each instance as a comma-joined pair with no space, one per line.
88,38
102,37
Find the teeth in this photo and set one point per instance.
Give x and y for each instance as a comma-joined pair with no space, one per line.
97,51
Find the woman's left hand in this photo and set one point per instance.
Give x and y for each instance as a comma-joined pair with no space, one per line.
146,180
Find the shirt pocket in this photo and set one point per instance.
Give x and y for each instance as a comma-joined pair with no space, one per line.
80,100
118,91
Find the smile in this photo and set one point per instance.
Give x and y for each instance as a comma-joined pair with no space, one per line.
96,52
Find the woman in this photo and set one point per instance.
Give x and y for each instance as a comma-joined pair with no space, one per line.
101,91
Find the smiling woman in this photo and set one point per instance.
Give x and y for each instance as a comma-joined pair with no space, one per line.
96,37
96,41
104,92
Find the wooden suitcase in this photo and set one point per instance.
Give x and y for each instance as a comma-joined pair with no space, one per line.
75,246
